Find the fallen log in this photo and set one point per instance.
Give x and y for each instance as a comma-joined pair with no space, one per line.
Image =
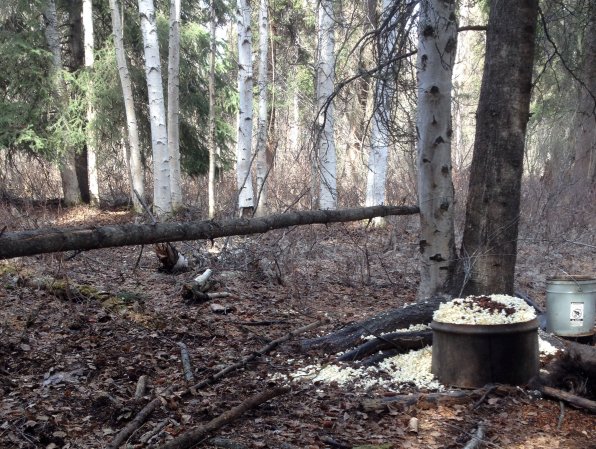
399,341
576,401
423,400
193,437
49,240
420,312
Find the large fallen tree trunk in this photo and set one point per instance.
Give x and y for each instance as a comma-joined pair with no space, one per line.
49,240
420,312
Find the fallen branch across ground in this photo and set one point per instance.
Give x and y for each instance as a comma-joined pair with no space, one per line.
477,437
189,439
264,350
142,416
399,341
423,400
49,240
420,312
576,401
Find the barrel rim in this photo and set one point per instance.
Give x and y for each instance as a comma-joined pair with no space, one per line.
572,278
485,329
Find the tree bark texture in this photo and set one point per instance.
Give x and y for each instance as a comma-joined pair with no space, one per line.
245,111
489,246
437,33
133,159
162,197
70,184
174,104
212,144
262,165
89,43
325,85
49,240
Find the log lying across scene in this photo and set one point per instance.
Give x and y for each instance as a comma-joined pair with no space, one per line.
50,240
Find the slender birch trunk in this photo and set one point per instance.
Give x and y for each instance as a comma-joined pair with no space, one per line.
325,86
70,184
89,42
437,32
212,144
385,89
162,197
245,112
174,104
262,165
133,159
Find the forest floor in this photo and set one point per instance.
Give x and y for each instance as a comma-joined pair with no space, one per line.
69,365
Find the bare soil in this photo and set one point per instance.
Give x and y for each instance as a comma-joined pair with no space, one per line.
69,365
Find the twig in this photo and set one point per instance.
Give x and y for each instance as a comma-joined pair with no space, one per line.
225,443
258,323
476,437
331,442
141,386
189,439
153,432
186,363
264,350
561,415
484,396
138,420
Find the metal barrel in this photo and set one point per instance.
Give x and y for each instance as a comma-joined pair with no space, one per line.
471,356
571,305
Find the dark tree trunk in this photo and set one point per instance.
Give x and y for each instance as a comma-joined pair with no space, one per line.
77,61
28,243
489,245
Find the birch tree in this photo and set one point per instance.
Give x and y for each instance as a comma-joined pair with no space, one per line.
70,184
212,149
245,110
174,104
325,85
437,33
88,41
262,166
162,198
385,90
135,169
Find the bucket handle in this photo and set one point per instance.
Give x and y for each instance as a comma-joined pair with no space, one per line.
579,287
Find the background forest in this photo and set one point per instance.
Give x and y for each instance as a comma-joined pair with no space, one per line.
40,130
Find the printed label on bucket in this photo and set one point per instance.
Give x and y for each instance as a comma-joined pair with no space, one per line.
576,314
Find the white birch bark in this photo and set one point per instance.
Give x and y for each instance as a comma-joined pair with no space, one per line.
385,89
436,54
133,154
89,42
245,110
174,104
162,197
70,184
262,166
325,86
212,149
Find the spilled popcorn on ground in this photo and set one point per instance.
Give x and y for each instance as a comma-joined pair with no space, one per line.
410,369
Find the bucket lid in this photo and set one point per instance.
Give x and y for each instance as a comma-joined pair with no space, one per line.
572,278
